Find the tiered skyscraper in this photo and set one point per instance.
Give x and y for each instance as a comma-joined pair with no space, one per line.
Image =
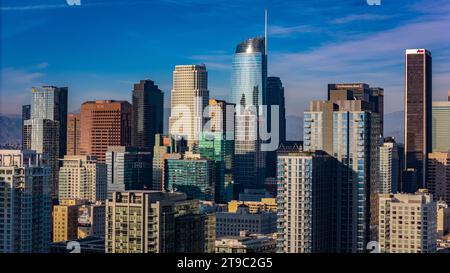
189,98
418,105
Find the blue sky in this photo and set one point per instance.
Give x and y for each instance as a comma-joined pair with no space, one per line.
99,49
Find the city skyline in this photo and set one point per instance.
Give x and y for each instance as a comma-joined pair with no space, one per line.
202,163
305,52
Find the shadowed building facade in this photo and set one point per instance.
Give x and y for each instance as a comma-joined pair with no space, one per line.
148,104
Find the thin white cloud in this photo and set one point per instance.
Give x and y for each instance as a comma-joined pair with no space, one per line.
34,7
275,30
15,88
214,61
360,17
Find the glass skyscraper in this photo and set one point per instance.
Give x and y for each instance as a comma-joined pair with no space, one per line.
248,92
215,147
50,102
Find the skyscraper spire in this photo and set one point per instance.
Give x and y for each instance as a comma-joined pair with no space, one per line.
265,32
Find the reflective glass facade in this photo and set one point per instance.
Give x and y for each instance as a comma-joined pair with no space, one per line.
248,89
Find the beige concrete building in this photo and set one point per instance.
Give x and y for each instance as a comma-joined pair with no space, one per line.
189,98
247,243
265,205
65,220
82,177
443,218
407,223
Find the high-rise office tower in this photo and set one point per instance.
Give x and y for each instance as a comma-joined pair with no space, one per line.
65,220
128,168
45,139
50,102
179,225
26,132
193,176
389,167
104,123
215,147
73,134
25,225
189,99
407,223
148,110
305,192
275,97
441,126
83,178
418,119
166,147
438,175
347,129
248,92
48,126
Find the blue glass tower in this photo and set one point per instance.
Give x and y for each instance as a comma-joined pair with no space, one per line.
249,73
248,92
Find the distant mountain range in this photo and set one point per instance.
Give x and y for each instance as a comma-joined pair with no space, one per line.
10,130
10,127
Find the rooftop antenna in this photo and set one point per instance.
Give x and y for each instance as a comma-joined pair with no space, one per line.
265,31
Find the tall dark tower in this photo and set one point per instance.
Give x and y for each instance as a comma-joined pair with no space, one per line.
418,106
275,97
148,110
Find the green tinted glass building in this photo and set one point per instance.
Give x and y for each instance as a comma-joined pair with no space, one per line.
214,146
193,176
